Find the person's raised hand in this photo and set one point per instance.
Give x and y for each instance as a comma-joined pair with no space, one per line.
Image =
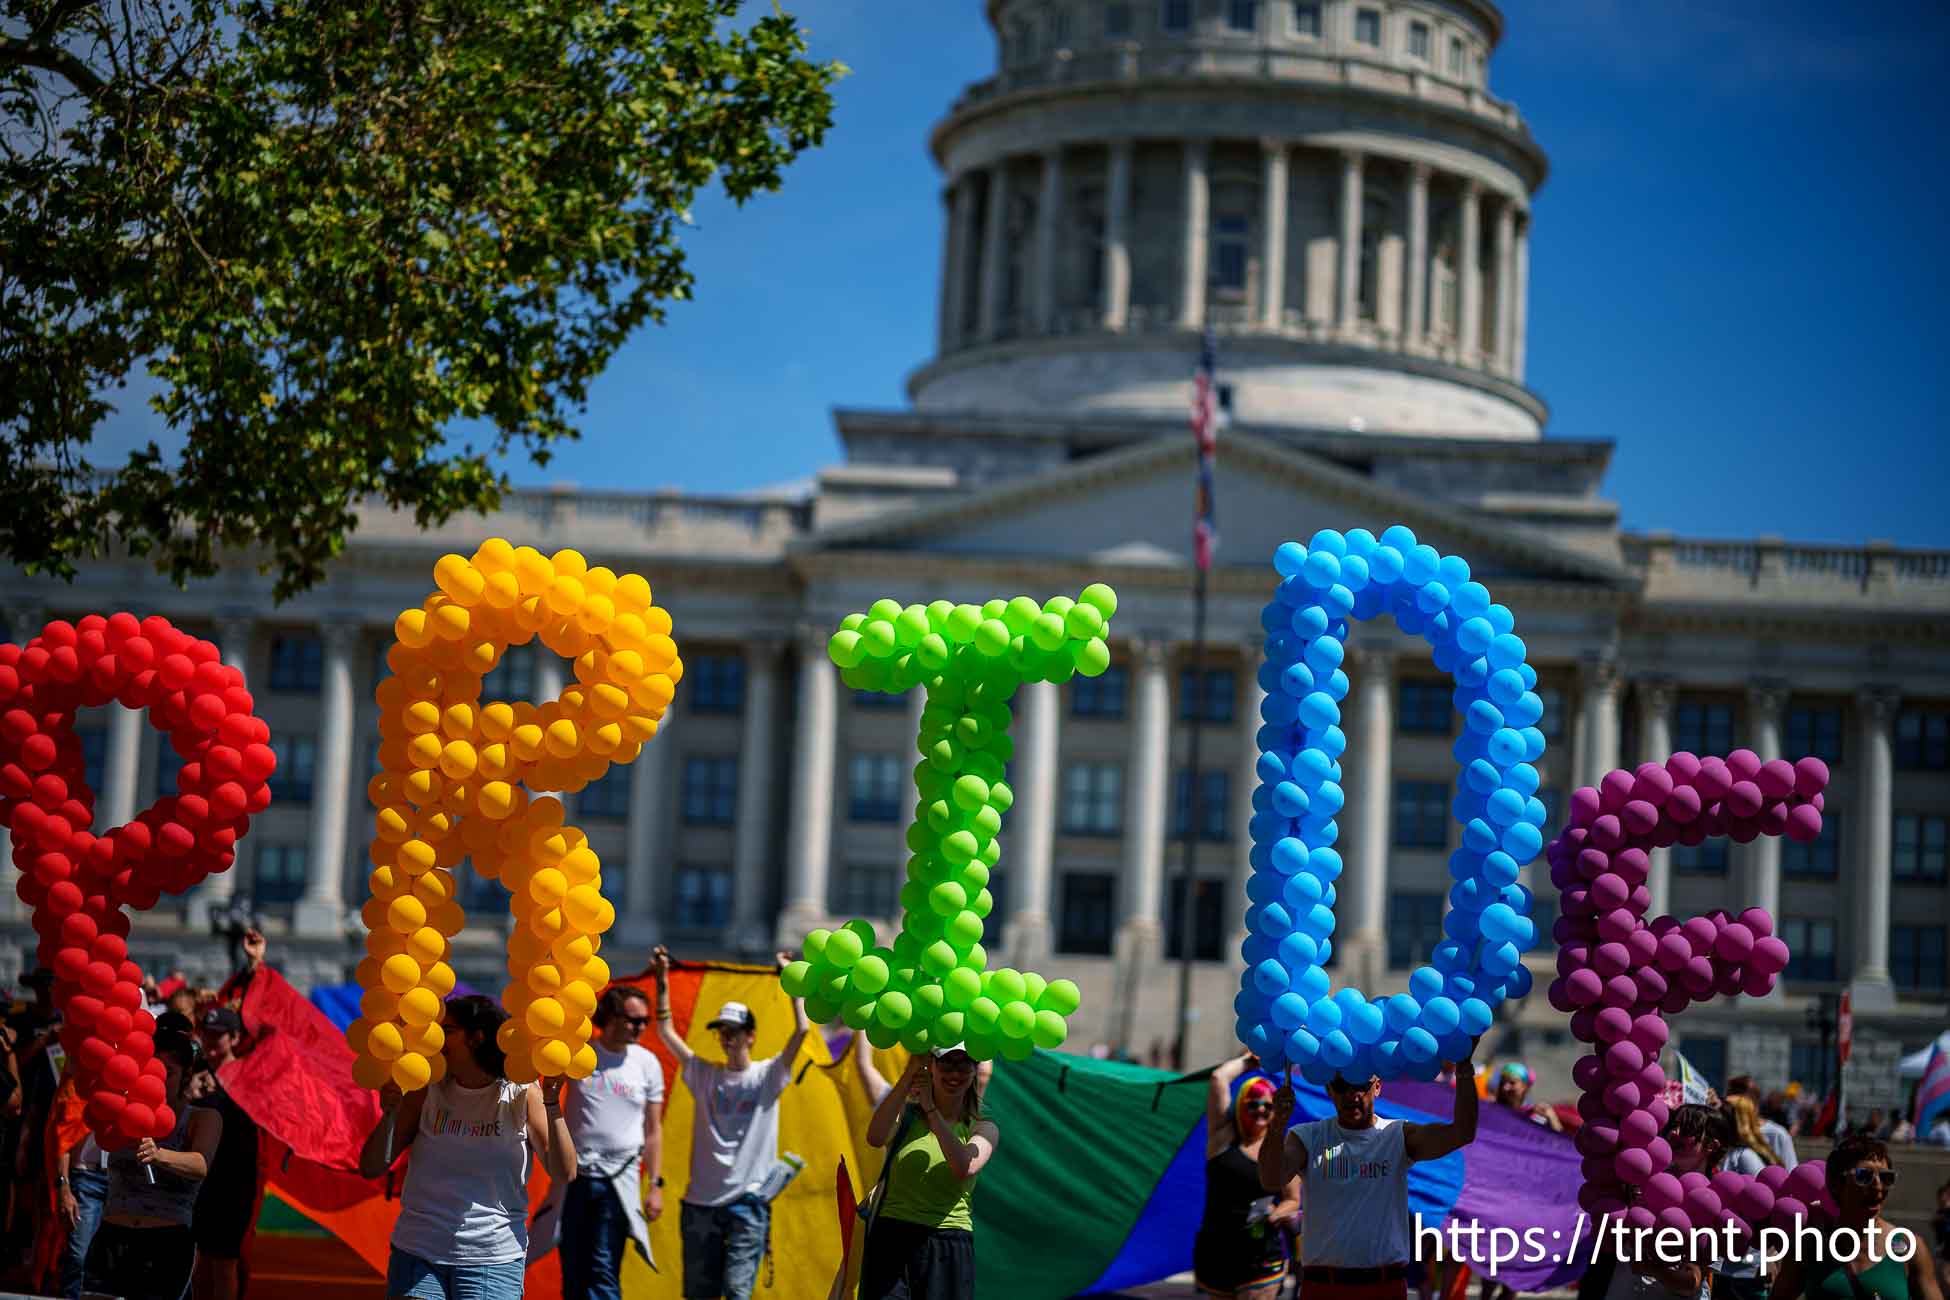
552,1089
390,1096
254,947
659,963
146,1151
1282,1104
784,959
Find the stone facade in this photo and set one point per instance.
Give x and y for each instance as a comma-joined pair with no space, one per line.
775,799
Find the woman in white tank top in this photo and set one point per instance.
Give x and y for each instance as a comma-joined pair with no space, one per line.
463,1224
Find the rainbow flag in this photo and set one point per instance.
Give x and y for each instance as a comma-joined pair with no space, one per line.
1933,1093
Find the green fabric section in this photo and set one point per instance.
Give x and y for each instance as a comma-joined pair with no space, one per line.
1082,1145
275,1216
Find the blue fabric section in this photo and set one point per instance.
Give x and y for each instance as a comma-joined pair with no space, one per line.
1160,1241
340,1002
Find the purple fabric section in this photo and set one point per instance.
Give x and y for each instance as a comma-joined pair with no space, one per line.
1522,1179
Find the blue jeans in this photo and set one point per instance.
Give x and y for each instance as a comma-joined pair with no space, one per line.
409,1275
723,1245
595,1234
90,1188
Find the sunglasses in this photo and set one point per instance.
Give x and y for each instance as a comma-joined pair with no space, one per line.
957,1064
1259,1107
1863,1176
636,1022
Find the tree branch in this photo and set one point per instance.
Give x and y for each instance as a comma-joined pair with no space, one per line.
52,58
57,18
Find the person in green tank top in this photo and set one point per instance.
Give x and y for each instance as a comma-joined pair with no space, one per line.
1859,1180
921,1245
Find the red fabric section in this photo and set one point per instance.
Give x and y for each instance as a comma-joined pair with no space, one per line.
66,1129
296,1081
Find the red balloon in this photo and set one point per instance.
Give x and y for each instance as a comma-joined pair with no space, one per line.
139,1121
120,1072
93,1054
98,978
70,961
113,1023
112,948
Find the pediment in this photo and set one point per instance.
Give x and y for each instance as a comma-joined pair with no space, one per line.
1134,507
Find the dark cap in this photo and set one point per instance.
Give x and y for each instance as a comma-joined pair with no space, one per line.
223,1020
39,977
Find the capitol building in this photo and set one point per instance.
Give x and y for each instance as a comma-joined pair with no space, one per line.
1337,192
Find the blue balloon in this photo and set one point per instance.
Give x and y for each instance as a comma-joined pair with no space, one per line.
1432,599
1439,1015
1270,978
1365,1023
1289,1010
1424,982
1533,744
1317,1073
1289,856
1474,636
1280,709
1297,680
1273,617
1329,799
1387,1058
1385,565
1255,1037
1449,957
1323,1016
1501,618
1309,622
1418,1045
1507,651
1325,863
1506,687
1480,837
1288,557
1499,868
1502,959
1318,710
1302,1047
1321,569
1298,950
1483,776
1302,890
1522,841
1505,807
1420,566
1336,685
1523,778
1460,925
1338,600
1262,887
1454,571
1268,675
1359,542
1498,922
1354,572
1311,983
1483,718
1293,593
1524,711
1471,599
1507,747
1289,800
1329,541
1331,741
1336,1049
1275,922
1320,920
1399,536
1402,1010
1518,983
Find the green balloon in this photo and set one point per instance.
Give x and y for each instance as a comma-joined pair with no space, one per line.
932,652
911,625
973,876
949,1027
960,849
995,608
796,978
1005,986
1047,632
1015,1021
1032,988
906,950
982,1015
1049,1031
971,792
1083,622
853,622
1061,997
815,945
964,929
976,958
1016,1049
947,898
983,1046
1001,797
916,1037
987,823
831,986
863,931
1101,598
886,609
961,987
929,1001
882,1037
939,959
962,624
843,648
1091,657
877,638
982,904
822,1012
1020,614
991,853
858,1015
991,638
1058,605
843,949
870,974
895,1010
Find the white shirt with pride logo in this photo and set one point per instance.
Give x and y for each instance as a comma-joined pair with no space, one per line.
735,1141
605,1110
1356,1188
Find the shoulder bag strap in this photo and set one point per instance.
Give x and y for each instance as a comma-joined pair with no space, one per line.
871,1206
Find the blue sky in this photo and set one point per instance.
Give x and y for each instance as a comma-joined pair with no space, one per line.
1738,271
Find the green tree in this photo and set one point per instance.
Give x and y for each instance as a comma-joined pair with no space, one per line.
333,229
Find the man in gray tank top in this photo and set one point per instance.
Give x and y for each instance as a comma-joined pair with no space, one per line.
1357,1239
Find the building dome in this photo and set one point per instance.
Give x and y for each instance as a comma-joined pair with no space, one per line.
1327,184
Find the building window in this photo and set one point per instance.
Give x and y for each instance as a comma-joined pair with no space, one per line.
866,891
297,664
1458,57
1214,803
1208,934
297,766
514,677
1220,689
879,701
1916,957
1418,41
1117,18
998,888
1553,801
1367,27
710,791
703,898
607,796
1815,731
1101,696
1922,740
94,757
1176,16
1229,253
1811,949
169,764
280,873
1425,708
1306,18
1707,858
873,787
1543,914
1059,28
1810,1063
480,893
1243,16
1706,1054
1702,728
1414,927
1820,859
717,683
1084,928
1421,814
1919,846
1552,723
1093,799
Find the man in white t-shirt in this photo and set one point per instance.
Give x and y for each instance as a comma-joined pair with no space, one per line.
616,1120
734,1142
1354,1165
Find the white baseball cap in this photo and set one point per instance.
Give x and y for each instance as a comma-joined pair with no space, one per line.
735,1014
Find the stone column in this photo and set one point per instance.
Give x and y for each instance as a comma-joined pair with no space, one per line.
1198,234
1762,857
645,833
961,268
1470,274
1363,890
1245,779
322,909
1273,189
550,678
118,802
995,251
1520,303
1350,286
810,842
1599,675
1874,814
1418,256
1117,237
1655,745
1049,226
1026,936
948,328
751,847
1506,276
1147,802
236,633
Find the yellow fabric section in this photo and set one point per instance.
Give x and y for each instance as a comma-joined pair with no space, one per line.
816,1120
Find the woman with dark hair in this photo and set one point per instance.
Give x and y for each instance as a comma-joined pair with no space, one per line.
921,1245
1861,1257
144,1247
463,1225
1698,1137
1239,1250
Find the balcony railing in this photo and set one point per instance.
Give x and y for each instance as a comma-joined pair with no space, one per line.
1773,563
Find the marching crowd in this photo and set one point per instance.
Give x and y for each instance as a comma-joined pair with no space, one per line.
1323,1203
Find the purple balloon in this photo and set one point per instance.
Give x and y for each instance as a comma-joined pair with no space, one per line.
1770,955
1684,804
1810,777
1757,920
1584,987
1652,783
1613,1024
1803,824
1675,950
1587,1072
1661,1192
1743,763
1606,832
1621,991
1614,789
1698,976
1584,806
1622,1099
1772,1177
1617,925
1633,1165
1713,781
1593,863
1703,1206
1702,934
1676,1219
1652,985
1735,942
1604,1137
1650,1033
1808,1180
1773,819
1640,945
1756,984
1684,766
1639,817
1788,1210
1744,799
1639,1219
1775,778
1631,865
1640,900
1693,1178
1623,1060
1610,959
1660,1150
1637,1128
1754,1202
1609,891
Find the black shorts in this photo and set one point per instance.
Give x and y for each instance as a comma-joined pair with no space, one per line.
222,1218
909,1261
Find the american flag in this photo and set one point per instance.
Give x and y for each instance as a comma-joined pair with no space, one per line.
1208,417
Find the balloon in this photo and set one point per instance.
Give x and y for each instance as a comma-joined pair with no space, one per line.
455,784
